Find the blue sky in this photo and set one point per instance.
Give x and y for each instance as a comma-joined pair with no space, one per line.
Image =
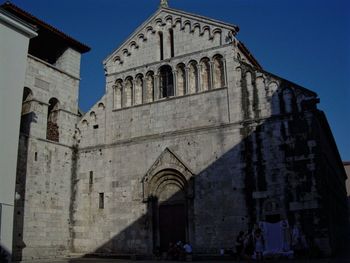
304,41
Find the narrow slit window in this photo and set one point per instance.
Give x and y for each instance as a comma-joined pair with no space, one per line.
101,203
172,48
91,178
161,45
35,156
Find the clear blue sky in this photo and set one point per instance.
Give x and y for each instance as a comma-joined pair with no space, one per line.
304,41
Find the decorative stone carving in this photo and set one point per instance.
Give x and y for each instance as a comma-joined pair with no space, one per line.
168,168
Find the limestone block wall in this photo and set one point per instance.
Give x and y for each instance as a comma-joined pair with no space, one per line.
46,82
162,117
46,165
92,126
69,62
42,214
124,224
242,139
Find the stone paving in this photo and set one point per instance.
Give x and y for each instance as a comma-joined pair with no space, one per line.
108,260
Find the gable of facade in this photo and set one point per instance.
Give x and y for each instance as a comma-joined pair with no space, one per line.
167,34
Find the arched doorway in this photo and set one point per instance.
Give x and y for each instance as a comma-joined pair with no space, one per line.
172,215
170,199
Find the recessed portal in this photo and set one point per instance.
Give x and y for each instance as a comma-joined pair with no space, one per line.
172,224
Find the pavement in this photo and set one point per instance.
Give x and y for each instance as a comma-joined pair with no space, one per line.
108,260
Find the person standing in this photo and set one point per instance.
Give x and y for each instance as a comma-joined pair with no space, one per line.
248,249
240,245
259,244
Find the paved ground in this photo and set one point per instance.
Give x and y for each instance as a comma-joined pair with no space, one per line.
103,260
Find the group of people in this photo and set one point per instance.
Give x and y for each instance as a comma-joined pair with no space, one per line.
249,244
280,241
179,250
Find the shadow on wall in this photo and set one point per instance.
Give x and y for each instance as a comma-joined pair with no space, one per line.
5,255
230,194
27,119
210,208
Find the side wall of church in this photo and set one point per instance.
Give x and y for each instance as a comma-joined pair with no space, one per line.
42,214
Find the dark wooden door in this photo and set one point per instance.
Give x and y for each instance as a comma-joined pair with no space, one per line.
172,224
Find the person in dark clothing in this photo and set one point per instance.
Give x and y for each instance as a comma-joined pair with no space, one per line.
240,245
248,249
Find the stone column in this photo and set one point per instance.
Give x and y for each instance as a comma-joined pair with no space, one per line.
114,92
186,80
199,78
123,95
224,72
144,81
211,66
132,92
156,87
175,82
120,89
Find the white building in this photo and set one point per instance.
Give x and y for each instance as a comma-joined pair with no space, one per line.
14,39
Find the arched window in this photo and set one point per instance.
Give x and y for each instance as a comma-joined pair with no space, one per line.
52,132
118,94
26,115
288,100
181,80
27,94
192,77
275,98
219,74
250,98
205,74
166,83
149,87
128,90
138,89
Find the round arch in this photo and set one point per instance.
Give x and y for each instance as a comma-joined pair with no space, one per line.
169,196
166,81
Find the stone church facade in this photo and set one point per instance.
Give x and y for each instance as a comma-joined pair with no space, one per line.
193,140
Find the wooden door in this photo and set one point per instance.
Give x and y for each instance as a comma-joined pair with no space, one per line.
172,224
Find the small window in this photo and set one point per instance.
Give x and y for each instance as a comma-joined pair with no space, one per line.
161,45
35,156
172,49
101,204
95,126
91,178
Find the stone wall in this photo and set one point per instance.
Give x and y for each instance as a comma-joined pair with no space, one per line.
244,142
123,225
46,82
46,163
42,214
